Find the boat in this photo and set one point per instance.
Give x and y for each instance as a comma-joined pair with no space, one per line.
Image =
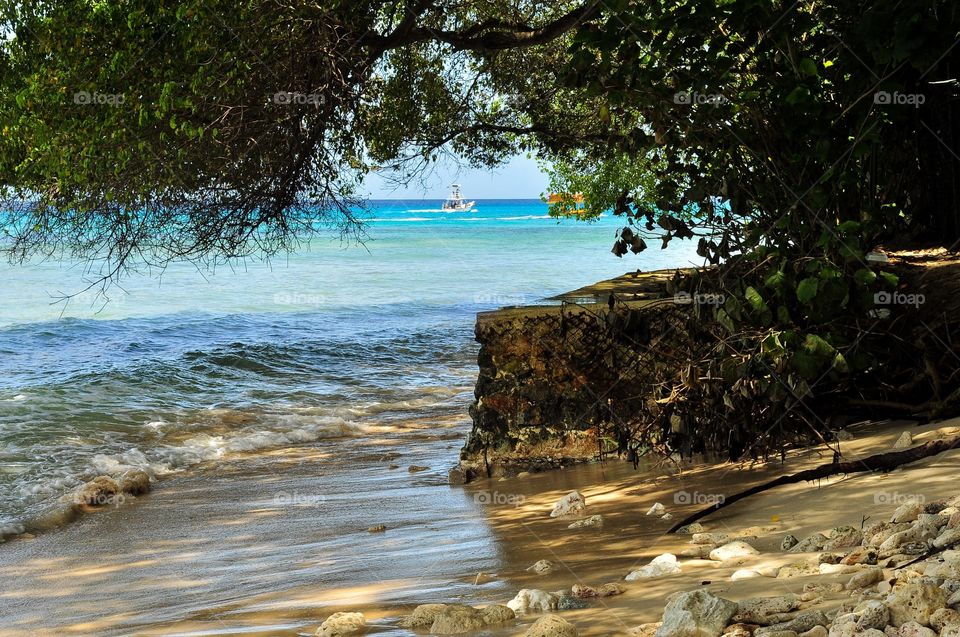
455,202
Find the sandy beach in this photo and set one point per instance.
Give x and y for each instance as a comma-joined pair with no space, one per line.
258,549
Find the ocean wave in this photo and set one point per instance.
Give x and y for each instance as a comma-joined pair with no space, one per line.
52,506
523,217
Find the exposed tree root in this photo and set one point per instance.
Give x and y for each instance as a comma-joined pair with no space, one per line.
879,462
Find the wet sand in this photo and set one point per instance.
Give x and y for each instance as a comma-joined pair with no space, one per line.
272,544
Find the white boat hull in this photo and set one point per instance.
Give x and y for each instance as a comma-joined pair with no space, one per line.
463,207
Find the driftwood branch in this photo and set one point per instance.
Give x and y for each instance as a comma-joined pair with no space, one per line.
879,462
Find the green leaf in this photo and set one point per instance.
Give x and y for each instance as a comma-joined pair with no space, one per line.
864,276
754,299
809,68
807,290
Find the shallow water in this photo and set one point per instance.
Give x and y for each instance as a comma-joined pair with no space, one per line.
331,342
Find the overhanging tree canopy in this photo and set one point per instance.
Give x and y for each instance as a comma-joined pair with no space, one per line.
143,132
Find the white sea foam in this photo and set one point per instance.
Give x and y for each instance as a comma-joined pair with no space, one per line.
272,431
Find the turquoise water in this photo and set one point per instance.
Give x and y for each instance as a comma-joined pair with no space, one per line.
336,340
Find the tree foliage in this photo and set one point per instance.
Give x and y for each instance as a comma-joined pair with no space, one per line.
788,140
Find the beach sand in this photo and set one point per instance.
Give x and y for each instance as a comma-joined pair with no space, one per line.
264,546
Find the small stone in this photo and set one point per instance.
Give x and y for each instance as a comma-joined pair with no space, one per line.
862,555
864,578
497,614
690,529
569,602
943,616
134,482
744,573
914,602
797,569
592,521
583,591
907,512
947,538
341,624
696,614
100,491
757,610
739,630
810,544
905,441
789,541
733,550
541,567
415,468
913,629
610,589
842,630
665,564
643,630
377,528
422,616
666,516
709,538
797,624
533,599
838,569
843,537
483,578
551,626
816,631
701,551
570,504
954,521
873,615
657,509
455,619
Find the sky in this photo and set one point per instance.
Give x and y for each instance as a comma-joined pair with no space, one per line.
520,178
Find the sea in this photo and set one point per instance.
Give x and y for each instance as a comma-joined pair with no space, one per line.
171,371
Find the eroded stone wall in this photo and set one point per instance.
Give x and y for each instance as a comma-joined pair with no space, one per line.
552,379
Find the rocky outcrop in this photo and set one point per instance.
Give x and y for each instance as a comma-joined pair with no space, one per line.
541,370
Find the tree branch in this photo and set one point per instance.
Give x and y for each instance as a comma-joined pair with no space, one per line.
494,35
